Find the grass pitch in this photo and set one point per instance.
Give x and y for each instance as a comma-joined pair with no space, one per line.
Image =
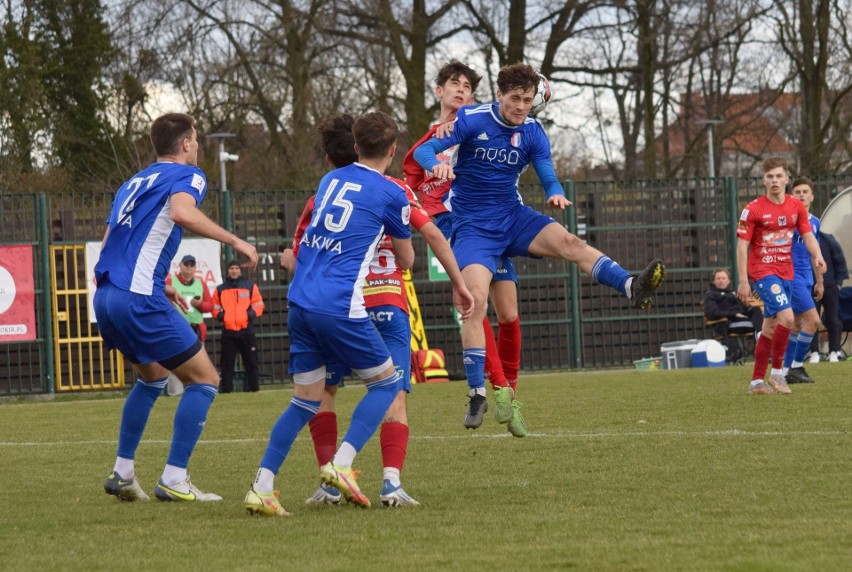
676,470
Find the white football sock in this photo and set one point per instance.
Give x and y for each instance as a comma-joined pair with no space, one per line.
125,468
264,481
173,475
345,455
391,474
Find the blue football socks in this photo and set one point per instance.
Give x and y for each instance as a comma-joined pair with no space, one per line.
190,417
371,409
607,272
474,367
134,418
285,431
797,348
790,352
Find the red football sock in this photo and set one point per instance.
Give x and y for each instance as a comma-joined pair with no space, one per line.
493,367
394,441
509,348
324,433
780,339
761,357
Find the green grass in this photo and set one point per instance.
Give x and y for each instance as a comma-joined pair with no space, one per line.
677,470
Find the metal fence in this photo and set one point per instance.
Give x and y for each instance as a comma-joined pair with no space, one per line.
567,321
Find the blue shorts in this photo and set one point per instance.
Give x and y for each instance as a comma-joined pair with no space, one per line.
146,329
319,339
394,327
801,297
505,268
775,294
486,242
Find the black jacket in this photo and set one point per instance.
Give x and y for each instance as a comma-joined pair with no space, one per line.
720,304
835,263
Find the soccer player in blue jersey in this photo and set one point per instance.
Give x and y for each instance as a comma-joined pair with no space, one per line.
134,306
355,207
386,302
497,141
807,286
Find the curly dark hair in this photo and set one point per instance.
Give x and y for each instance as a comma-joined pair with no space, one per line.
517,76
337,139
454,70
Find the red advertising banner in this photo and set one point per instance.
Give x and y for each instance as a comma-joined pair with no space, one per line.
17,294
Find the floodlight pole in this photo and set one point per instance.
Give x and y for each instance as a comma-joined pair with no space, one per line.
710,159
223,184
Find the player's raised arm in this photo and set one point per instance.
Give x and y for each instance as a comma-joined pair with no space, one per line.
185,213
462,298
543,166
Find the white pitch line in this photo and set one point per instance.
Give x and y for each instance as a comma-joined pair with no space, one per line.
724,433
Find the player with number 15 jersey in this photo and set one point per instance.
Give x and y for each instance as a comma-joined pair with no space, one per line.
357,206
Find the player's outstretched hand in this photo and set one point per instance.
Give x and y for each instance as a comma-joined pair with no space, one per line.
175,297
247,250
445,130
559,202
463,301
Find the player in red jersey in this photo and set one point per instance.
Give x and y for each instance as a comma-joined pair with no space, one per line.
764,246
455,85
387,304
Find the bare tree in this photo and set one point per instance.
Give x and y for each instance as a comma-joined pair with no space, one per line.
818,49
409,31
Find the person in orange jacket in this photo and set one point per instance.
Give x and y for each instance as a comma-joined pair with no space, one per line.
237,304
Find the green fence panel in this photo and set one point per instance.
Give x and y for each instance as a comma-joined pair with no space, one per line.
567,321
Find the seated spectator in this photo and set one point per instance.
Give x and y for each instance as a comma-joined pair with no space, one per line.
724,311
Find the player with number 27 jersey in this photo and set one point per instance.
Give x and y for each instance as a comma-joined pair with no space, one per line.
142,237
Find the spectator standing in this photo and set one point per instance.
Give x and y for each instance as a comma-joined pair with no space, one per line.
836,272
196,294
237,304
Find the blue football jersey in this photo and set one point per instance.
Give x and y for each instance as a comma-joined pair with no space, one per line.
142,238
802,267
490,159
355,207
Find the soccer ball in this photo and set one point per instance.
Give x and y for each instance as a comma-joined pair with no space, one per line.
542,95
